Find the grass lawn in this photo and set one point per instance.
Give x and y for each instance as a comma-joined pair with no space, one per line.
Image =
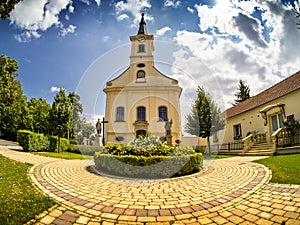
19,200
285,168
212,157
64,155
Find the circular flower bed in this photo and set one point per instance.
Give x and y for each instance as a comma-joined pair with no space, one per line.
147,157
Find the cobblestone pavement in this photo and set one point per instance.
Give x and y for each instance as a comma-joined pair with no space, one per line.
226,191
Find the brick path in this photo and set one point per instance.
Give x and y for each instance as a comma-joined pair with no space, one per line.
227,191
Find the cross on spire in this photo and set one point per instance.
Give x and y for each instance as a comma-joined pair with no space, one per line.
142,27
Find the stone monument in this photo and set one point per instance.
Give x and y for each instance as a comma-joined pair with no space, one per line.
168,127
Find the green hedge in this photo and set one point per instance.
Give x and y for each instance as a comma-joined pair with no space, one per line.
31,141
85,150
148,167
64,144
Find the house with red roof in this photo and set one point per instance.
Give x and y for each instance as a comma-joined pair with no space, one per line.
258,121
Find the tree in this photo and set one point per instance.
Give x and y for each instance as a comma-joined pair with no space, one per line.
61,115
87,130
77,109
242,94
6,6
12,99
205,118
39,111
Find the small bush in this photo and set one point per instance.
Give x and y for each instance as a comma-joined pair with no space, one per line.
148,167
200,149
84,149
53,146
31,141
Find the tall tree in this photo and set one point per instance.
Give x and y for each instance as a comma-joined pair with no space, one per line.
242,94
39,111
61,115
77,110
12,99
6,6
205,118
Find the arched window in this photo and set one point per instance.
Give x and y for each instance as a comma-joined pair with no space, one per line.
163,113
141,76
141,113
120,114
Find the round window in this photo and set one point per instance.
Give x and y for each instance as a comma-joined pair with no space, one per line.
141,65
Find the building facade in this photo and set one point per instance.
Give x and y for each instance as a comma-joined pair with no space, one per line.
141,99
264,113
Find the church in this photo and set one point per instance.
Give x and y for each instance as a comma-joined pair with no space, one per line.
141,100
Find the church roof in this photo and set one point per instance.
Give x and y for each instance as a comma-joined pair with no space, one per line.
278,90
142,27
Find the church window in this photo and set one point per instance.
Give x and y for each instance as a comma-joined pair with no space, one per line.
141,76
141,113
140,65
141,48
163,113
120,114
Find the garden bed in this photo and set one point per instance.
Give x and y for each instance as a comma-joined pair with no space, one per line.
149,158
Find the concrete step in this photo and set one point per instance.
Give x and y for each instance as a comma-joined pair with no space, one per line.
257,154
260,149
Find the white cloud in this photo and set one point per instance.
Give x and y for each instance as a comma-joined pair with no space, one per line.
235,45
162,31
172,3
106,38
98,2
190,10
122,17
71,9
26,36
135,7
68,30
54,89
36,16
85,2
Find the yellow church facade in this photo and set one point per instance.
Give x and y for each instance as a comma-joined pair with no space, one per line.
141,99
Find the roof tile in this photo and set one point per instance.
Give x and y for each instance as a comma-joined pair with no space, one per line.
278,90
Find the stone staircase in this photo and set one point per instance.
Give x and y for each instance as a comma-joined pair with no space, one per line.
260,149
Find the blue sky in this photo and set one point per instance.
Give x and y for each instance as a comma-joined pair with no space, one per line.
81,44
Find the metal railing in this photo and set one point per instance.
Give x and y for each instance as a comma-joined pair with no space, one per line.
286,139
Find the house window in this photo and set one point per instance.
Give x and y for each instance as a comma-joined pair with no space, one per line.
141,113
120,114
237,129
141,48
277,122
163,113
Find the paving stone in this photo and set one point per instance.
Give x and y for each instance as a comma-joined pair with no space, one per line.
47,219
231,191
250,217
235,219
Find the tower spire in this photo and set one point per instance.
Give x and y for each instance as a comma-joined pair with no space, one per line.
142,27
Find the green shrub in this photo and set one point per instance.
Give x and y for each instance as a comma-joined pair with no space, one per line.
200,149
84,149
148,167
53,146
31,141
